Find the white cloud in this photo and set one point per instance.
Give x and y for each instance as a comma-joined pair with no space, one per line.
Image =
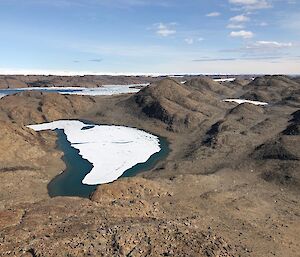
189,41
242,33
237,22
235,26
263,49
213,14
252,4
263,24
239,18
165,30
269,45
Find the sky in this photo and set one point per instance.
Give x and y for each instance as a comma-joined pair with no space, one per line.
149,36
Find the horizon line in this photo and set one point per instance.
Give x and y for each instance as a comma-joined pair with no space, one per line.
21,72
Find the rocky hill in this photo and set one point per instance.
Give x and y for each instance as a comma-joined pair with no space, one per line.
273,89
37,107
180,105
209,87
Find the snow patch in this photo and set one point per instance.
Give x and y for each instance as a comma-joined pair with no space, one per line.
241,101
111,149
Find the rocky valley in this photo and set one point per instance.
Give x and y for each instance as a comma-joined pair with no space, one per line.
229,187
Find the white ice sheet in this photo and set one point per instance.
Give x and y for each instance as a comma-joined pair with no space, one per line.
111,149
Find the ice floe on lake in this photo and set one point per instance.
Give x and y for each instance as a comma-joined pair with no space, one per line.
105,90
111,149
241,101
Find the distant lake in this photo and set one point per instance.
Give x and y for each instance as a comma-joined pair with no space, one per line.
105,90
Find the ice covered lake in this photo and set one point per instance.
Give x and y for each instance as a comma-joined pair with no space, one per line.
98,154
105,90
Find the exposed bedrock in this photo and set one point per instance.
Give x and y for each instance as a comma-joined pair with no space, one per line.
229,187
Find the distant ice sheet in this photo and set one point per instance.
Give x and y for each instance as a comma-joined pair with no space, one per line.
241,101
105,90
111,149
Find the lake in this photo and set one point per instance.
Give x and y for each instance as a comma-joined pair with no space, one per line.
99,154
105,90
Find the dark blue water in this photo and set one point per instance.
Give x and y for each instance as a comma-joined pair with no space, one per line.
69,182
56,90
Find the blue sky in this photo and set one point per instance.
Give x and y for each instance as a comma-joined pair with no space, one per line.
143,36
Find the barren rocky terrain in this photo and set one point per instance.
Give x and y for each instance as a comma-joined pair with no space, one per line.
21,81
229,187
